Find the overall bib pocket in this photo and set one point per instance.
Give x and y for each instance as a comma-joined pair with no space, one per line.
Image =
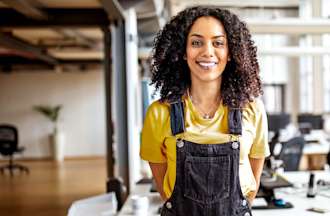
207,178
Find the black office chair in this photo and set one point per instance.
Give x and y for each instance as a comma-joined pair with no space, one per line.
291,153
8,147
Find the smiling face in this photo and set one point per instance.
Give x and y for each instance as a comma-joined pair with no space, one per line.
207,50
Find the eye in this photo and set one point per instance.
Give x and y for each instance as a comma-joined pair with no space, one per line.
196,43
218,43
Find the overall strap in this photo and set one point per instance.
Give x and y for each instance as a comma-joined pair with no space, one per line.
235,121
177,117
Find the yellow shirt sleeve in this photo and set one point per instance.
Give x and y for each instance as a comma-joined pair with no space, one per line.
260,147
153,134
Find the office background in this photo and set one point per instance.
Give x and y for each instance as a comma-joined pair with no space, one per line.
96,67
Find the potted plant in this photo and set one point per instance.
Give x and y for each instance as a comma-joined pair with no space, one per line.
56,138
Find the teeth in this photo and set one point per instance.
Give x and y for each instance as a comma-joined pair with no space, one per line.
207,64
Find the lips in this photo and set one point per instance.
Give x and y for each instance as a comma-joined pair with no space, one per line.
207,64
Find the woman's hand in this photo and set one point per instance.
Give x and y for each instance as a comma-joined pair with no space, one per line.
158,172
250,197
257,165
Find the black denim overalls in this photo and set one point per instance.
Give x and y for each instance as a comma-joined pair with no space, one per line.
207,175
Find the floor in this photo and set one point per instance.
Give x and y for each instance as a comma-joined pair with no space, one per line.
50,188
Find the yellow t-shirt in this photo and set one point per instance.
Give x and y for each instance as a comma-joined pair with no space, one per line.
159,145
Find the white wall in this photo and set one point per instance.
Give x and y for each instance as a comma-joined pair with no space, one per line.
82,118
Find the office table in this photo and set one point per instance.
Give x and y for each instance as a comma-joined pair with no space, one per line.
316,148
100,205
142,190
317,142
315,154
296,195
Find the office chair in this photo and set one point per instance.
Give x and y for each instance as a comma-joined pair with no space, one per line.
291,153
9,146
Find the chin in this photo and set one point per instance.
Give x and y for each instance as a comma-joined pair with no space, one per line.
209,78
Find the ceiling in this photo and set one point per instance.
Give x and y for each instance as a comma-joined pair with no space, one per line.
53,33
178,5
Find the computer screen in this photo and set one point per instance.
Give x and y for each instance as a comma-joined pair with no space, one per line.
278,121
315,121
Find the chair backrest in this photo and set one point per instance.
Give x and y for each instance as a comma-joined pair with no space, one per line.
291,153
8,139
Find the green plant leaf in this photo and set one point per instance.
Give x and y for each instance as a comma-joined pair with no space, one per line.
50,112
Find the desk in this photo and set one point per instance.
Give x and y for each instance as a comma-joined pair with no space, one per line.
296,196
322,145
101,205
315,149
315,155
143,190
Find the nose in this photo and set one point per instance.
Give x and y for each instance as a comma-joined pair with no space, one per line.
208,50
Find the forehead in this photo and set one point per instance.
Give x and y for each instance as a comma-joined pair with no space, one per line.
207,26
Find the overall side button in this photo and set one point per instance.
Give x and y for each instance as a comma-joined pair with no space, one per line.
234,145
168,205
244,202
179,143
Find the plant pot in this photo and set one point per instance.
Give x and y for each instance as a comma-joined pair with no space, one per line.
57,146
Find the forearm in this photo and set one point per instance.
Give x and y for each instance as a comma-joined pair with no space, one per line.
257,165
158,172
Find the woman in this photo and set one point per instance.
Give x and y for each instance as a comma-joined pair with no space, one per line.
206,138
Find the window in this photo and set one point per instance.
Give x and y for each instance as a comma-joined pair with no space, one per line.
306,78
273,72
326,75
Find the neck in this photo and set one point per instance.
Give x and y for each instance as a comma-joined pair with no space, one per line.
205,94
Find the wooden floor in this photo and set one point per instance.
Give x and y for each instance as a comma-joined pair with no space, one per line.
50,188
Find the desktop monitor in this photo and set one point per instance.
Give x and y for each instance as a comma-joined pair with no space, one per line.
278,121
315,121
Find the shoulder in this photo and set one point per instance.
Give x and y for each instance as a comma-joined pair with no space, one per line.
254,109
158,106
256,105
158,110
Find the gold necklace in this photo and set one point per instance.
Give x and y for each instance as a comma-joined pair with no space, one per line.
205,115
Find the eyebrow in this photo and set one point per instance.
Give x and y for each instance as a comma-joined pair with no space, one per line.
200,36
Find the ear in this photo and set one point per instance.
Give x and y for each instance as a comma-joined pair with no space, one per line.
185,57
229,58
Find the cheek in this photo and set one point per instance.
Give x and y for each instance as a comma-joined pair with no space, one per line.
191,54
191,58
223,55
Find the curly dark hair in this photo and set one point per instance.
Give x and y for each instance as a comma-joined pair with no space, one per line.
170,72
